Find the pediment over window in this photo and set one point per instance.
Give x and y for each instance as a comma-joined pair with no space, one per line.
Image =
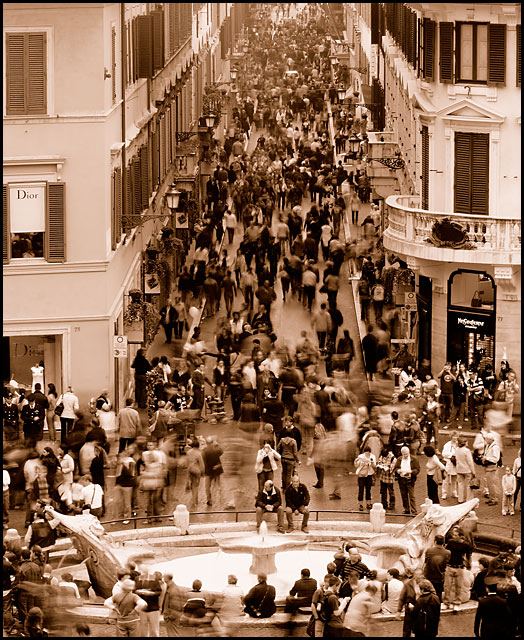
468,110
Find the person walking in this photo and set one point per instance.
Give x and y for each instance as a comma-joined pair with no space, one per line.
172,606
490,459
67,419
195,470
125,483
128,425
141,366
449,451
148,586
321,322
152,479
212,468
370,349
509,486
181,318
168,317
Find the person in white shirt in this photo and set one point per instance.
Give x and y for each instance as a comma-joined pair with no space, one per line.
490,460
358,613
92,495
232,604
71,406
449,450
365,465
67,584
391,591
231,223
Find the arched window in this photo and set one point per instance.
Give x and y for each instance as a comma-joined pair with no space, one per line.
471,289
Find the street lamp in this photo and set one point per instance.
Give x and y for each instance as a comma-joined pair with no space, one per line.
173,198
210,120
341,94
233,74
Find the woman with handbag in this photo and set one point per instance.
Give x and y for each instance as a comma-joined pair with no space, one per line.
259,602
433,479
449,450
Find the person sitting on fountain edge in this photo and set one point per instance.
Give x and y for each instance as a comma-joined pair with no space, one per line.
259,602
297,499
269,500
301,593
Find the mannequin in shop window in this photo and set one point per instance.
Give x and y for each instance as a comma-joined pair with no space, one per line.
38,375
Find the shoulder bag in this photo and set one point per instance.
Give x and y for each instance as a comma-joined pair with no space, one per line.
59,409
256,612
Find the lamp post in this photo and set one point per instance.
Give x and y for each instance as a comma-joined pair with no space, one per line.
172,200
354,146
341,92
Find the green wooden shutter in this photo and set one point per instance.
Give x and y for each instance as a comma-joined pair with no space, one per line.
144,28
425,168
428,70
5,225
15,74
158,39
497,53
518,55
55,222
446,51
480,174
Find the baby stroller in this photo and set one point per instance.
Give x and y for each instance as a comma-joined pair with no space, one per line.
214,410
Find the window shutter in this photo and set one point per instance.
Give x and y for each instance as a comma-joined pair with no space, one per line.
15,72
113,65
36,102
497,53
113,211
158,39
428,70
171,29
118,202
137,191
462,172
144,176
134,43
5,224
144,29
425,168
472,173
155,159
446,51
129,200
480,174
55,223
518,55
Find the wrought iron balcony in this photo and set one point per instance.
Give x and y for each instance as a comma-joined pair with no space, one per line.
415,232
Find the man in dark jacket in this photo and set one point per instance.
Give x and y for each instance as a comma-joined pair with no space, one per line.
370,348
269,501
436,560
493,618
425,616
38,397
33,417
259,602
407,468
168,317
212,467
301,592
297,500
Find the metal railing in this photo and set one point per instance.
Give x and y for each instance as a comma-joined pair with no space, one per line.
510,532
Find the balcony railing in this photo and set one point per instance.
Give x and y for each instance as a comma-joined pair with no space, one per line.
496,240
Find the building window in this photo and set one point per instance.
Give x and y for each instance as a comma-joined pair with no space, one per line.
472,52
26,73
425,168
471,188
34,221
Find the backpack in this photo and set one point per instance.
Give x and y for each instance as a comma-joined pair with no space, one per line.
363,288
324,612
378,293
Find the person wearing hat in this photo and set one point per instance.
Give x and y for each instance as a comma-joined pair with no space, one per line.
10,413
407,469
127,606
490,461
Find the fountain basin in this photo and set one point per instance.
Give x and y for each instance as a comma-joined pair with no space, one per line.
263,551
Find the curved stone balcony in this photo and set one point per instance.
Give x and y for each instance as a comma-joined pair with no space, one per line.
497,241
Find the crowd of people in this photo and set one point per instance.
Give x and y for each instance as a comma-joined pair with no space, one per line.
290,406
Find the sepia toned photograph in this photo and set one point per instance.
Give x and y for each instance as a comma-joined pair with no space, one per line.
262,319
